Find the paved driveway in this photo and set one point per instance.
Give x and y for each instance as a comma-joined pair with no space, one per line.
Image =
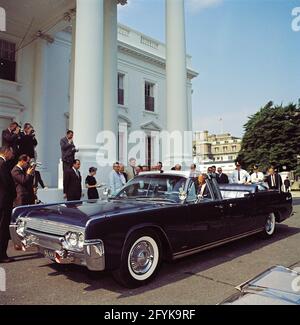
206,278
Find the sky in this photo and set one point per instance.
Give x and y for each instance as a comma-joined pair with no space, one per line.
245,51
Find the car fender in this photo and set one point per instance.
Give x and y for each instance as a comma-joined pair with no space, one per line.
168,251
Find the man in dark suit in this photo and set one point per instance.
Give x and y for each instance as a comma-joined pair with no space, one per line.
68,150
72,182
7,196
23,175
203,190
28,141
11,138
287,184
221,178
274,180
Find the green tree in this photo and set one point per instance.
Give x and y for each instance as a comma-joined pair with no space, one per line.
272,136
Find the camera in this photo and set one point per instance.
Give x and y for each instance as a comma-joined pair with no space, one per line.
34,164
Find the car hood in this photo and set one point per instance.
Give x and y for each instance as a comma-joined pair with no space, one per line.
80,214
276,286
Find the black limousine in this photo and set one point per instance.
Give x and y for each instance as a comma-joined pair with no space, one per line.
155,217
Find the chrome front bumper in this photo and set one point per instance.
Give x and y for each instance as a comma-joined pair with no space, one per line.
53,247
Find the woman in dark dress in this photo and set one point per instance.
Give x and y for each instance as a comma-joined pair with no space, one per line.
91,184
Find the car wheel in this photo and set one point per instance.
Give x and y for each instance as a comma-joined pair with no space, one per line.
270,226
140,260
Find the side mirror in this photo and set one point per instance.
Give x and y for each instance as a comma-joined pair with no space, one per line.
182,196
106,192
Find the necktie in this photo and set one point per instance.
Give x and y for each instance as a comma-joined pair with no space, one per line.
239,175
272,180
133,171
256,175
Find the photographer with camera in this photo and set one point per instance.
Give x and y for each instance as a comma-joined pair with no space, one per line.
28,141
23,176
10,138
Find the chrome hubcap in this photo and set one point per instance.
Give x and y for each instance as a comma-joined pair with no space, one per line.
141,257
270,224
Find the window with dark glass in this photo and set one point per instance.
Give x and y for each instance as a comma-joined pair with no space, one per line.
149,97
7,60
121,88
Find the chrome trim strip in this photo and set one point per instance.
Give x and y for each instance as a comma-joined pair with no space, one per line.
214,244
92,254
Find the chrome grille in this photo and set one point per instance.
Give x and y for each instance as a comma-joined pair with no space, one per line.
50,227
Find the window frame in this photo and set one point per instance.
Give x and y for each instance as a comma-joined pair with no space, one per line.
150,94
10,56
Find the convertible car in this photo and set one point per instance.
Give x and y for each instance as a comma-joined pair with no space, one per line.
155,217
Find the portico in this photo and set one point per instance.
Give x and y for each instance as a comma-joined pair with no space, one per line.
97,19
93,80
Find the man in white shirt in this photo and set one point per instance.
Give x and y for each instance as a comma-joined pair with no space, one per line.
239,176
116,181
257,176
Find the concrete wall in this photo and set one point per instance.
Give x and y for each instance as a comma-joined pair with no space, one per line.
57,100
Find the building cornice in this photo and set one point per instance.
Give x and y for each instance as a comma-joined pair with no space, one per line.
149,57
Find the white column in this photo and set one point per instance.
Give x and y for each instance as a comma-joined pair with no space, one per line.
88,74
39,109
110,67
72,68
88,81
176,72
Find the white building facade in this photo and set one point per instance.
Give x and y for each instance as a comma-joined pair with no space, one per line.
63,78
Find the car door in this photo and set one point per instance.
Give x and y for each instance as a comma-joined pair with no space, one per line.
271,201
240,214
207,220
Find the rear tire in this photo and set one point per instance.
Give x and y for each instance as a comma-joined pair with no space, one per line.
270,226
141,259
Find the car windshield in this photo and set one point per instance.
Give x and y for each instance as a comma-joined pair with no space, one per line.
156,187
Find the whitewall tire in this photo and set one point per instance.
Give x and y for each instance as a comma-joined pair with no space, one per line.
270,226
140,259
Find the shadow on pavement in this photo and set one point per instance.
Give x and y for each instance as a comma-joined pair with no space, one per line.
173,271
32,256
296,201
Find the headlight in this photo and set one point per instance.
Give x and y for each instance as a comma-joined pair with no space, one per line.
21,225
75,240
80,240
72,239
